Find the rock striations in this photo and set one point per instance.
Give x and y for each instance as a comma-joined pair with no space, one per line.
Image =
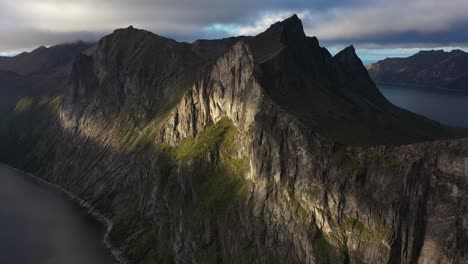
434,68
260,149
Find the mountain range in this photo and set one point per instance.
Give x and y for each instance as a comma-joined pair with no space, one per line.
263,149
434,68
41,72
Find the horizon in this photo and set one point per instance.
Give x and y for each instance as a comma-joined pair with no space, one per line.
377,29
367,56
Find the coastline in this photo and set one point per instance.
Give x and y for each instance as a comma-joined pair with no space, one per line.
114,252
422,86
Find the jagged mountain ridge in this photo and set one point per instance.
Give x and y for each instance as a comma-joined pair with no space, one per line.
230,173
432,68
43,59
42,72
332,95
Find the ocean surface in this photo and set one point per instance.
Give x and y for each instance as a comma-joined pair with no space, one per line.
39,225
449,107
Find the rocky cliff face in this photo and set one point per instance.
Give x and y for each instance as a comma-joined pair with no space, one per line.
434,68
208,159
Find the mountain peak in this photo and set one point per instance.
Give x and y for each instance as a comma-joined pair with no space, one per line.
457,52
288,29
294,17
39,49
430,52
293,20
350,49
292,26
348,56
128,29
286,33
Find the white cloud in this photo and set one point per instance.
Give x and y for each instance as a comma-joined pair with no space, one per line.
386,18
264,20
30,23
267,19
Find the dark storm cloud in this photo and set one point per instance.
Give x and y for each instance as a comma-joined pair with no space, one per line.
30,23
396,22
453,38
21,39
25,23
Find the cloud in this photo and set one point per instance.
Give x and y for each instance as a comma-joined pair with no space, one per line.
87,15
367,23
16,40
264,20
372,24
30,22
394,22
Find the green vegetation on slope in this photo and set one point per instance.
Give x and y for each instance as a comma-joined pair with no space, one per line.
364,232
347,161
218,181
324,249
358,164
205,142
23,105
142,246
28,133
224,183
220,191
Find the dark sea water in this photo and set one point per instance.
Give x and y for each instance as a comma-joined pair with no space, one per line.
446,106
39,225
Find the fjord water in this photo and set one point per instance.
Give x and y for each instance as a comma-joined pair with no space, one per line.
39,225
449,107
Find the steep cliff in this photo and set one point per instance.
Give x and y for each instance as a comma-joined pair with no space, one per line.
233,158
434,68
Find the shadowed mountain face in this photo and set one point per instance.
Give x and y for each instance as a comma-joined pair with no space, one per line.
136,73
434,68
332,95
243,150
39,73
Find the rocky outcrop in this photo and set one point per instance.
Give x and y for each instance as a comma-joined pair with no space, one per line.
231,170
434,68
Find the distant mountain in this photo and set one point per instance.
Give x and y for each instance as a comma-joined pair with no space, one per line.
39,73
435,68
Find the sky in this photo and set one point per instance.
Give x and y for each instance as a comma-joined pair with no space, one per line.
377,28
